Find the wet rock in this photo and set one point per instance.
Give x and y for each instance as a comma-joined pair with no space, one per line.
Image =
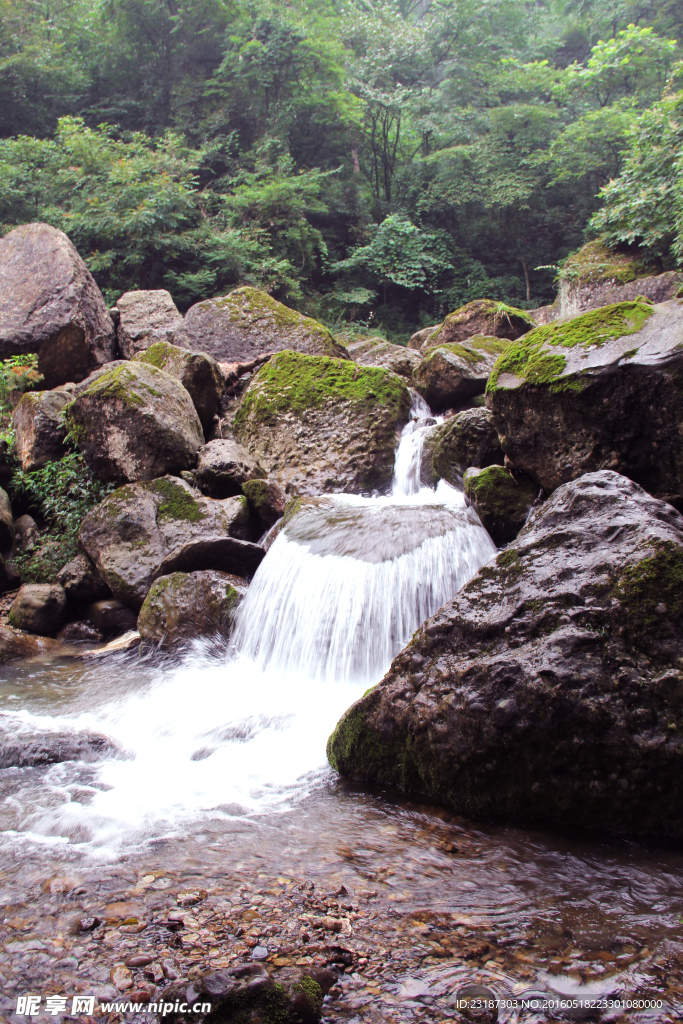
223,466
549,689
39,427
468,439
15,645
266,501
7,528
421,339
21,746
600,391
80,580
501,500
377,352
249,992
200,375
121,977
50,304
483,317
134,422
323,425
452,374
111,616
144,318
247,323
184,605
26,533
38,608
79,632
151,529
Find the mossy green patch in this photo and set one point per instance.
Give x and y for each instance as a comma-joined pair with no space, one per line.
474,350
177,502
156,355
122,383
594,262
652,590
529,360
296,382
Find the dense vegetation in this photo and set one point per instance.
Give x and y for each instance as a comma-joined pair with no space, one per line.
377,162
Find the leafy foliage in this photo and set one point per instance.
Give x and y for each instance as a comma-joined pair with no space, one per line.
18,373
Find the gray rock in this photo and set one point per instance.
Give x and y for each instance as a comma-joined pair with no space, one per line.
145,317
184,605
377,352
25,747
82,631
26,533
266,501
247,323
223,466
200,375
501,500
550,688
601,391
111,617
80,580
40,428
468,439
151,529
421,339
452,374
38,608
7,528
50,304
134,422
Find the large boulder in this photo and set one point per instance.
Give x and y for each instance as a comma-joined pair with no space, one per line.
247,323
320,425
481,317
468,439
134,422
151,529
223,466
200,375
50,304
145,317
378,352
453,374
601,391
550,688
39,427
422,338
38,608
188,604
7,528
501,500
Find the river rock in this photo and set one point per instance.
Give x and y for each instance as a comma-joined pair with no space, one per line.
134,422
320,425
21,746
80,580
111,616
452,374
223,466
247,323
38,608
145,317
39,427
501,500
482,317
550,688
7,529
15,645
468,439
266,501
200,375
145,530
377,352
50,304
188,604
82,631
601,391
421,339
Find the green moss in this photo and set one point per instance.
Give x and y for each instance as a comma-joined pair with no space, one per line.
156,355
474,350
528,358
254,305
655,580
594,262
293,381
354,742
177,503
313,994
122,383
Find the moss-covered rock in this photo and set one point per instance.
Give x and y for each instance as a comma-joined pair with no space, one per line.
423,338
247,322
453,374
599,391
501,500
200,375
378,352
132,421
550,689
468,439
187,604
223,466
146,530
317,424
266,501
481,317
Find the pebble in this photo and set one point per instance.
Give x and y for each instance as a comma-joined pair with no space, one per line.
121,977
259,953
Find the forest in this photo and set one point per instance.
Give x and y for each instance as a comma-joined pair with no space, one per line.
373,163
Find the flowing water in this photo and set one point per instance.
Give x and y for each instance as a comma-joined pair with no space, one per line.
222,748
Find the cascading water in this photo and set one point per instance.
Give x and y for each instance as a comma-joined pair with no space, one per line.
340,592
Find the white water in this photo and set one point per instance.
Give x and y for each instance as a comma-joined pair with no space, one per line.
340,592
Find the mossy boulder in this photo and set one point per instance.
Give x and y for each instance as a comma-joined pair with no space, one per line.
378,352
501,500
144,318
453,374
467,439
247,323
39,427
266,501
38,608
132,421
422,339
188,604
318,425
150,529
481,317
602,390
223,466
200,375
550,689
